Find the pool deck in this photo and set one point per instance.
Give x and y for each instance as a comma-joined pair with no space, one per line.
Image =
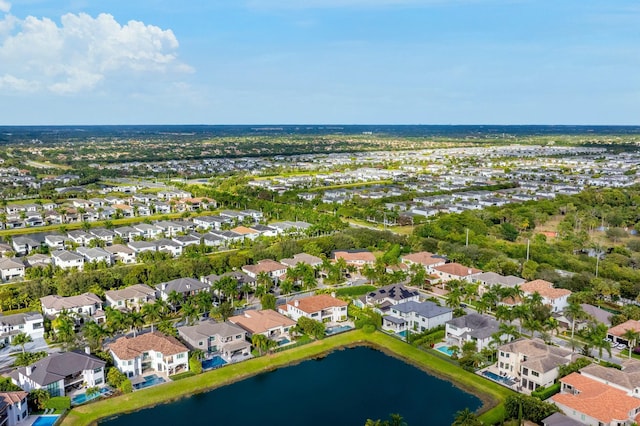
494,369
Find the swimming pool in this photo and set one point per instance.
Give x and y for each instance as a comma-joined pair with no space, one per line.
82,397
337,329
497,378
283,342
149,381
212,363
45,420
402,333
445,350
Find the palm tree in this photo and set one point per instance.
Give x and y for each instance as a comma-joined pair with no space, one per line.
203,301
574,312
94,333
263,279
245,288
152,313
466,417
116,320
259,341
507,330
596,335
631,336
286,286
454,298
21,339
174,299
189,313
135,320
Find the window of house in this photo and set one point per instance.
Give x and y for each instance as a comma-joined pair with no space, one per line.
525,371
158,355
535,373
97,370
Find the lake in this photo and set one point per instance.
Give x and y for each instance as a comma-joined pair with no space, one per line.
344,388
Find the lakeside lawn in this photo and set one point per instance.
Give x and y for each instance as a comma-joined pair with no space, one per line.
493,395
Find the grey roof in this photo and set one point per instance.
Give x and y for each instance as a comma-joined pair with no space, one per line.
136,290
491,278
59,303
10,264
393,291
239,276
301,258
182,285
166,242
424,309
480,326
93,252
66,256
209,328
141,244
102,233
262,228
60,365
17,319
535,348
394,320
559,419
628,378
600,315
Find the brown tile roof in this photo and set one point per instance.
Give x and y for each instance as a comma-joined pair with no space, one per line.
365,256
544,289
132,347
424,257
602,402
619,329
265,265
457,269
13,396
316,303
244,230
256,322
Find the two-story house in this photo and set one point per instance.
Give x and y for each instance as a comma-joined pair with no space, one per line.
60,373
130,298
29,323
267,322
471,328
274,269
532,361
11,269
152,351
224,338
321,307
66,260
385,297
556,298
83,306
416,316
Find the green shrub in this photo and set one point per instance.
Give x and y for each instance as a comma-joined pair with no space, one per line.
195,366
125,386
532,408
548,392
183,375
368,328
115,377
565,370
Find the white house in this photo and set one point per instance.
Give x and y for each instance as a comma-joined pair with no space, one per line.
149,352
132,297
66,260
532,361
60,372
471,328
416,316
556,298
122,253
15,407
11,269
30,323
321,307
95,254
86,304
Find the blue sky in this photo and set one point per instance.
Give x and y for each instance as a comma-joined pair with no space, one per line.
319,61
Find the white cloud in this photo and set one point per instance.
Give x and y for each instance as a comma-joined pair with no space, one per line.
82,52
5,6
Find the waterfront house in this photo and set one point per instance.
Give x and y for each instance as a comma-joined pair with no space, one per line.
60,373
212,337
266,322
13,407
321,307
533,362
130,298
471,328
389,295
416,316
152,351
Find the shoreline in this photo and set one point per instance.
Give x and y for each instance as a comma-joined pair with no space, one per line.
490,394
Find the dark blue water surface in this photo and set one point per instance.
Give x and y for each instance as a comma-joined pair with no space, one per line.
345,388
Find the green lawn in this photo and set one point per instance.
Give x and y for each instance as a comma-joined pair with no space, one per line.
492,394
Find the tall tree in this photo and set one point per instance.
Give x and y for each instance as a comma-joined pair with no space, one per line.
21,339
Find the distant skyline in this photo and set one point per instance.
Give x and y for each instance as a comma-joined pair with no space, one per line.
319,61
